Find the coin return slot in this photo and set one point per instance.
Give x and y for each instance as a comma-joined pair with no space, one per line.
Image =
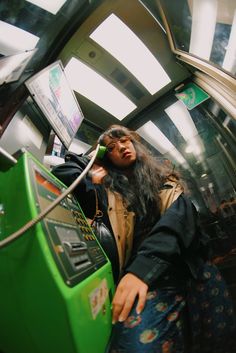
75,248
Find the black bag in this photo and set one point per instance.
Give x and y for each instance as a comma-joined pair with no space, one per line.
105,238
102,233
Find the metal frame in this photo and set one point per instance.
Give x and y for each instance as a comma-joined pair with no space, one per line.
219,80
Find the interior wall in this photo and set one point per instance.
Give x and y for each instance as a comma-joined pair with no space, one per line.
27,129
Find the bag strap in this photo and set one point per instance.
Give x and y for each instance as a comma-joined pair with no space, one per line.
98,213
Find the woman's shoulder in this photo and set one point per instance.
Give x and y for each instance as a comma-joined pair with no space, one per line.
80,159
72,164
169,192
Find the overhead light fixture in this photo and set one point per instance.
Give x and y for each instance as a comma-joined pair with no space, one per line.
204,16
94,87
182,119
226,121
153,135
14,39
189,149
11,67
78,146
50,6
229,59
122,43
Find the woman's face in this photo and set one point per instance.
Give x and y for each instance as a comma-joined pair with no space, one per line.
120,151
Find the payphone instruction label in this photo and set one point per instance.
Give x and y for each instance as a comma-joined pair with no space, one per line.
98,297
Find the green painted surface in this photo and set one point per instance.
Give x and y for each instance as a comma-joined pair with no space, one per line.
192,95
40,313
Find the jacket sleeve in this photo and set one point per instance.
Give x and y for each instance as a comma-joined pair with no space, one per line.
68,172
171,240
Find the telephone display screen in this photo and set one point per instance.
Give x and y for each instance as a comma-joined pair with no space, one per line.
41,180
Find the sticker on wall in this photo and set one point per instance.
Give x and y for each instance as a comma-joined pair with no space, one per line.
192,95
98,297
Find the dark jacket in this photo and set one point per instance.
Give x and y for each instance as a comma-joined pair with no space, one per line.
175,245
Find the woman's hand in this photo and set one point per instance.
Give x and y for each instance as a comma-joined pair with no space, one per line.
97,173
127,290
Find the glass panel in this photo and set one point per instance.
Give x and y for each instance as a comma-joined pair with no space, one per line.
203,28
39,22
34,22
209,170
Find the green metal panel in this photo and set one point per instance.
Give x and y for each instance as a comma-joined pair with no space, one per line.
40,312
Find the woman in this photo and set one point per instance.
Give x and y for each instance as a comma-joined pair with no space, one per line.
154,256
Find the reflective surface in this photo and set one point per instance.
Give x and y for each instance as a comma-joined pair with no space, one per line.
37,21
200,142
205,29
208,169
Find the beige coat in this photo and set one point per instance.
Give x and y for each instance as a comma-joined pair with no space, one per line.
122,221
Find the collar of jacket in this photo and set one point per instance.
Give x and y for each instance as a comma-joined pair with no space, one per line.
170,192
122,223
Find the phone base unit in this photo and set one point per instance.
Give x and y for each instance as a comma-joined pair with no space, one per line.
56,281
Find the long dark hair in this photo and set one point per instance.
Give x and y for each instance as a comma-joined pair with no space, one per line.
140,191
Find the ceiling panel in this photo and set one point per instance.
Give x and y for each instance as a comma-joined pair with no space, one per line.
136,16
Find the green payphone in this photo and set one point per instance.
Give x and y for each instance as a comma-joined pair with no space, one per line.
56,282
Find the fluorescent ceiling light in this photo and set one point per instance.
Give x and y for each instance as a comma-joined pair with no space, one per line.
79,147
52,6
14,39
226,121
229,62
91,85
51,161
180,116
11,67
203,27
118,39
153,135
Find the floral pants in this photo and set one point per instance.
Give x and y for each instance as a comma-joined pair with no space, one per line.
211,314
158,329
198,320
